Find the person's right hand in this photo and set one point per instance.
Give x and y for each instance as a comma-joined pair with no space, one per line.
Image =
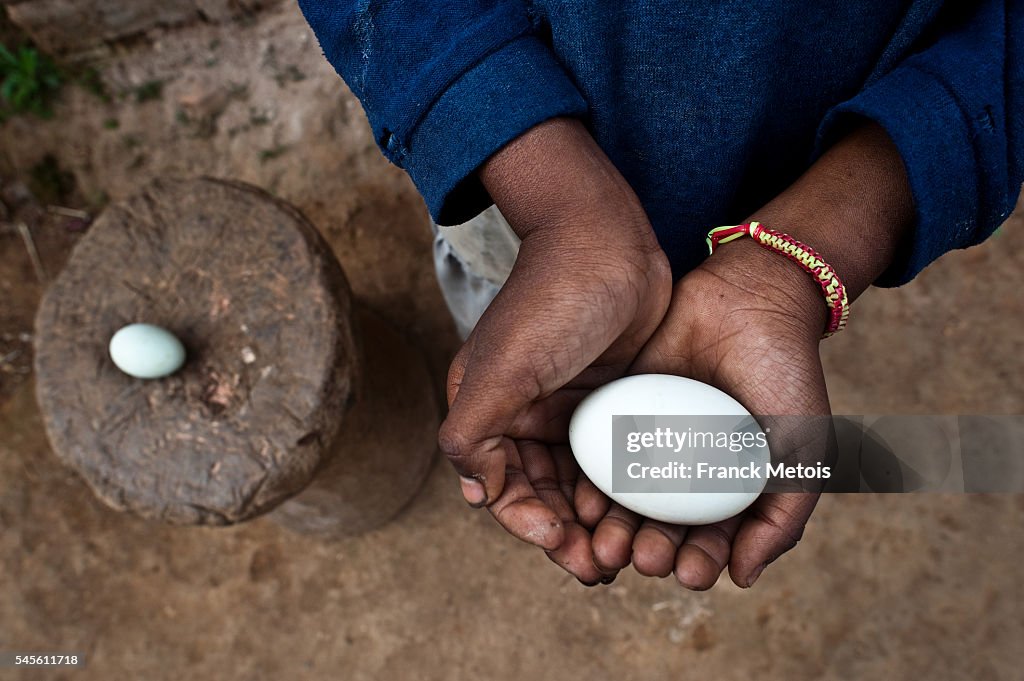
589,287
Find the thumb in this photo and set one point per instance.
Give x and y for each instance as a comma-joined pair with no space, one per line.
533,339
470,465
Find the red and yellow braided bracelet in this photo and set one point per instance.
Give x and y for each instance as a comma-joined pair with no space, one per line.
804,256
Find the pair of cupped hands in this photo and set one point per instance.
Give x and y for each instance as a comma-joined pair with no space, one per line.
591,299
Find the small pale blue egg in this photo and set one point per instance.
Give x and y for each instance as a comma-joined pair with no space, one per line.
146,351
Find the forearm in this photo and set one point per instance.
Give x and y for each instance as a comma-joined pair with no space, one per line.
854,207
555,178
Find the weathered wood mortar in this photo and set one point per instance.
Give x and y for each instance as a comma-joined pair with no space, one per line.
282,401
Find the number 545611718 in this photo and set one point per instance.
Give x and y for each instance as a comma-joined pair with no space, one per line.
41,660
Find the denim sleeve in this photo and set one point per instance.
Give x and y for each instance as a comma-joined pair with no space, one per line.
445,84
955,111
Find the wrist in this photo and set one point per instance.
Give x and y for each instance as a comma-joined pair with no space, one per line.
555,178
565,199
853,207
765,281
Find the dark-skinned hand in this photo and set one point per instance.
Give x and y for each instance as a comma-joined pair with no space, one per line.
589,287
749,322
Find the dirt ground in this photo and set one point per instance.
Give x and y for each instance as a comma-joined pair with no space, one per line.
882,587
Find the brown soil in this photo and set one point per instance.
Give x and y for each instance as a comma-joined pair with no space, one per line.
881,588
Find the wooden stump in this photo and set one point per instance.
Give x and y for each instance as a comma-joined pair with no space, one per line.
264,312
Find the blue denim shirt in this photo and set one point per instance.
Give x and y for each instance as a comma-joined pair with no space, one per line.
708,107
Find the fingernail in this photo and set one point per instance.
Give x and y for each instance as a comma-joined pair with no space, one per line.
755,574
608,579
686,584
473,491
690,585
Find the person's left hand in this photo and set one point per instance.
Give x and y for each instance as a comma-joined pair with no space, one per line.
748,322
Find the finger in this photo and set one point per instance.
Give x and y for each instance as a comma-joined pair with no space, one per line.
568,472
466,461
654,547
542,472
590,502
475,448
613,538
775,522
576,556
520,511
705,553
772,526
457,369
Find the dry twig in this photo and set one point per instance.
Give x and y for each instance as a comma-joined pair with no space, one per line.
69,212
33,254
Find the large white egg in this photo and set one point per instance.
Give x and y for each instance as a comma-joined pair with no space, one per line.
146,351
591,439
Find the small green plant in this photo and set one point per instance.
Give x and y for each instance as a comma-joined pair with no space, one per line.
28,82
149,91
91,81
272,153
